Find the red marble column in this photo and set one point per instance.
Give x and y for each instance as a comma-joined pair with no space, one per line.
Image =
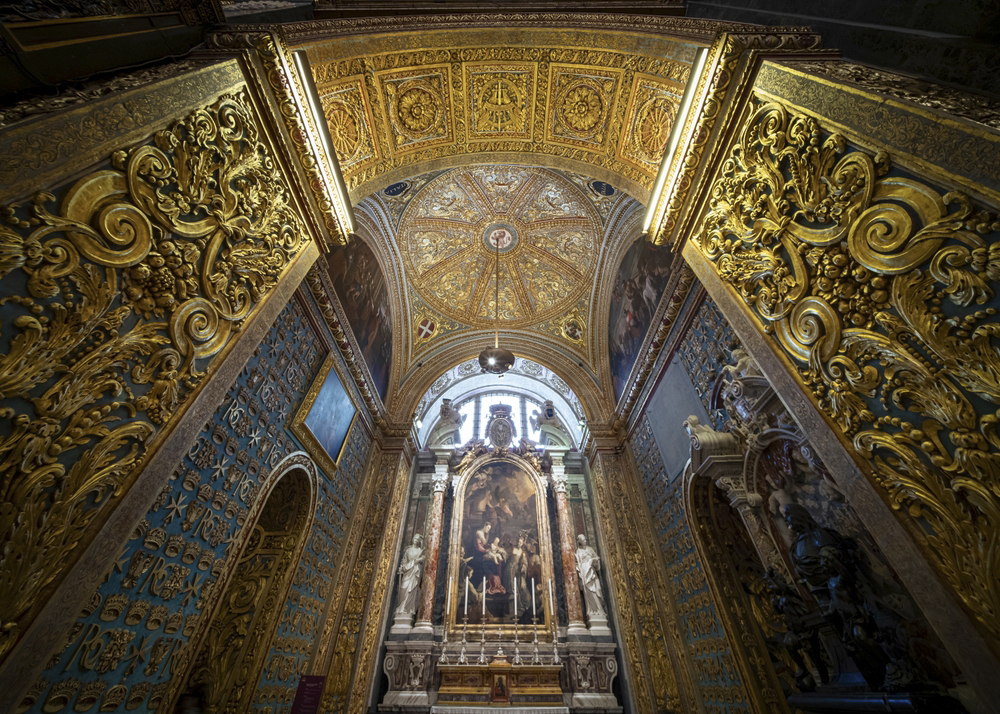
567,547
441,479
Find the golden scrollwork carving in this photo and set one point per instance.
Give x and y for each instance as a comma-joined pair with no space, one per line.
882,291
144,269
634,580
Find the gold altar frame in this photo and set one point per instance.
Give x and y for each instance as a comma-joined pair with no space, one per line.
453,622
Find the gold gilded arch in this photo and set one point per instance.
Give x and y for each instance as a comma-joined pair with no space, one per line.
532,347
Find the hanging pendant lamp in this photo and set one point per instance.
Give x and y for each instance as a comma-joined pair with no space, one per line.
494,359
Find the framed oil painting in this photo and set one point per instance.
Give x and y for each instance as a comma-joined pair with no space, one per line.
325,416
501,688
500,543
364,295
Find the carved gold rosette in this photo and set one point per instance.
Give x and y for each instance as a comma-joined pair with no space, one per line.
882,291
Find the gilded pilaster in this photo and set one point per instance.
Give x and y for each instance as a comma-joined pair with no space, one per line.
650,653
128,291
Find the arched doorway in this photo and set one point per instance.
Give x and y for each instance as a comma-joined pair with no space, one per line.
232,648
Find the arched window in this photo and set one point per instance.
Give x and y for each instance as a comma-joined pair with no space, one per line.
476,410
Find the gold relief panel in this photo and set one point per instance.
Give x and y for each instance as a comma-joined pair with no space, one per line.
119,297
652,109
500,99
348,115
881,291
582,99
417,102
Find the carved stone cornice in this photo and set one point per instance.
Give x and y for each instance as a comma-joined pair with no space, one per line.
729,71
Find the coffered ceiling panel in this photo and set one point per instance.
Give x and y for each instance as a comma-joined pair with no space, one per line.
592,103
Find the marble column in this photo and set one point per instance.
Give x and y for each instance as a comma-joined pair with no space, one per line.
441,479
567,547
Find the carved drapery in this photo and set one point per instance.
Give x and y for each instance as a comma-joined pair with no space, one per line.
118,297
880,289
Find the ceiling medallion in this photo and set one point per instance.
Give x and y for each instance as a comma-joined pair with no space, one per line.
494,359
500,237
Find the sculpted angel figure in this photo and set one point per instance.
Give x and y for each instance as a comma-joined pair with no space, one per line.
410,570
588,566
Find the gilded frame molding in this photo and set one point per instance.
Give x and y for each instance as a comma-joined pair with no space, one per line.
304,434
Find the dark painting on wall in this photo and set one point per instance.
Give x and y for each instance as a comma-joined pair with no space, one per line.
362,290
330,414
642,276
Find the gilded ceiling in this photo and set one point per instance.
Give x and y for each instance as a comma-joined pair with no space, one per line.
545,139
538,227
598,103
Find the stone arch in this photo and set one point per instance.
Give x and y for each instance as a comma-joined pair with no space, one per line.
228,653
716,458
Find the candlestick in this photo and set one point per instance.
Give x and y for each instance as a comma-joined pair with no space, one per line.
515,599
484,599
533,597
447,607
482,642
535,659
466,597
443,659
465,625
551,611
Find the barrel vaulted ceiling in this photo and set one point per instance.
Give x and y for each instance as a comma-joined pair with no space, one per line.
551,136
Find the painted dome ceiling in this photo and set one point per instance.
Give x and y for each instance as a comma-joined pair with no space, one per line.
546,229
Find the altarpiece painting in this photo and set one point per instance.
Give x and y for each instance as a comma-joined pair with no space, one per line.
500,542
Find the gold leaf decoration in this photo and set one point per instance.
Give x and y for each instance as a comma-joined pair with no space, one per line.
146,269
882,290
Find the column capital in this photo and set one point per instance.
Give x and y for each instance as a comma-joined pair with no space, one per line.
441,477
557,479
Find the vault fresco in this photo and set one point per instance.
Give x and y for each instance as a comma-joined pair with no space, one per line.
546,229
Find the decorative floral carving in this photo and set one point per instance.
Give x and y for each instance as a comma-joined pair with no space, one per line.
147,268
883,290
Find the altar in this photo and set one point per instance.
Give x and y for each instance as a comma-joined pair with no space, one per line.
500,683
500,623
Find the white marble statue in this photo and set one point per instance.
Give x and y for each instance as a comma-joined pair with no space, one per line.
410,570
588,567
449,426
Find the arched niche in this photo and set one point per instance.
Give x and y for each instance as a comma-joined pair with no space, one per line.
476,486
726,555
232,648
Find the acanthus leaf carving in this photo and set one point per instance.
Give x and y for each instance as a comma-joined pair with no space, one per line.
880,289
117,298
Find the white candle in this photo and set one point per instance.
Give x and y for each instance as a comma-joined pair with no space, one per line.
466,597
515,598
447,607
484,599
551,612
533,597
